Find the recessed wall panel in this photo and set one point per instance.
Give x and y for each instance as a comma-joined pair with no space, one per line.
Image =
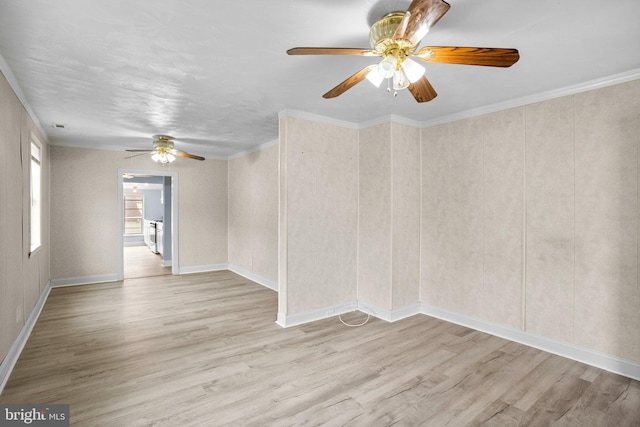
452,246
265,212
321,214
502,136
550,214
607,299
374,213
405,153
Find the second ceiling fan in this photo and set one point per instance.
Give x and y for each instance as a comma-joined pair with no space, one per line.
395,38
163,151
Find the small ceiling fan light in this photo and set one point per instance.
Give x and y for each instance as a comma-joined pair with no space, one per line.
375,77
400,80
163,158
412,70
387,67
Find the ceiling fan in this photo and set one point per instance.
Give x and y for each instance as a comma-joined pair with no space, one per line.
395,38
163,151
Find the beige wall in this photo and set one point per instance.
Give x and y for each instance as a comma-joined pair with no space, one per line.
375,228
550,226
578,157
85,218
389,216
318,215
607,293
405,212
203,207
472,217
253,213
22,277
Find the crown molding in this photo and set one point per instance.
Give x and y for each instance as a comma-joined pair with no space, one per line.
532,99
317,118
253,149
392,118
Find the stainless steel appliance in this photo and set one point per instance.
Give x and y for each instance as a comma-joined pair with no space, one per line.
153,237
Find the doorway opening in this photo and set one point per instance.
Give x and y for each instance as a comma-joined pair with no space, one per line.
147,206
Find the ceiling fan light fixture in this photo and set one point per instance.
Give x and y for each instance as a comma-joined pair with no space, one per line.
162,157
412,70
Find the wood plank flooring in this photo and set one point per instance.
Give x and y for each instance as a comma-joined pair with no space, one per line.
203,350
139,261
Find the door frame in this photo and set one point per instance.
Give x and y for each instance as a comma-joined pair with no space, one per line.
175,263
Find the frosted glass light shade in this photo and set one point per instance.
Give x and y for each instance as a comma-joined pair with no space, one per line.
387,67
163,158
375,77
400,80
412,70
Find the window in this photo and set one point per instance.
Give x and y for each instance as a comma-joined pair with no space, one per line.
36,196
133,213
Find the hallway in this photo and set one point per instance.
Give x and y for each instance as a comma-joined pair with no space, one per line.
139,261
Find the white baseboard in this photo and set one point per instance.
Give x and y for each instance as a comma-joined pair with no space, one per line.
203,268
86,280
21,340
325,312
604,361
166,263
287,321
389,315
254,277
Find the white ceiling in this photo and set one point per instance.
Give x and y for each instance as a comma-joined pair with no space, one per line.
215,74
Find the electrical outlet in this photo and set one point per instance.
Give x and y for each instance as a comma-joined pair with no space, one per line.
19,314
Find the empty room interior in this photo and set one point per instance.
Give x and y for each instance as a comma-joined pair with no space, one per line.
358,212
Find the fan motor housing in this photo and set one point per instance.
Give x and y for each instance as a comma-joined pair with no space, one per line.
163,142
385,28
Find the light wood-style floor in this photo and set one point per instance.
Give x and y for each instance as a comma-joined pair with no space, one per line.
139,261
203,350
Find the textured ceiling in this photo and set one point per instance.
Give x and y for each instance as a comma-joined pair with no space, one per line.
215,74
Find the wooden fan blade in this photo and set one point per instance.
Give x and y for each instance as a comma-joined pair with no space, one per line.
349,83
485,56
187,155
422,90
420,17
139,151
137,155
331,51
